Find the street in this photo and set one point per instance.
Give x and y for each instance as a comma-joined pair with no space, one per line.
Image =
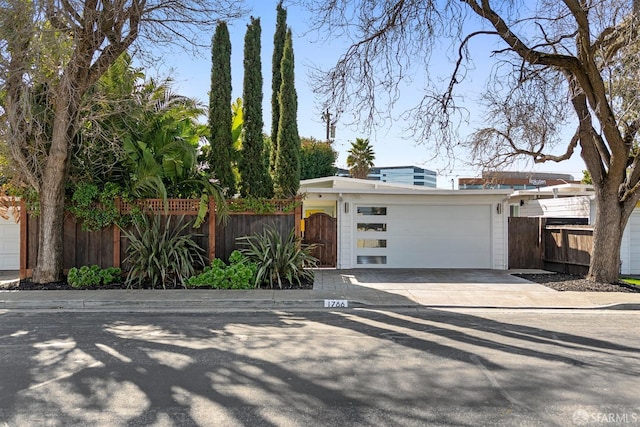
353,367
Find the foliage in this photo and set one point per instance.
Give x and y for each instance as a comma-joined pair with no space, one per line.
586,177
237,124
279,38
317,159
221,153
287,168
159,253
279,259
109,116
161,152
95,208
255,180
86,276
239,274
360,158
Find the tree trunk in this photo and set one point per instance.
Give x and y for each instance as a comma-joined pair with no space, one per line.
50,262
607,236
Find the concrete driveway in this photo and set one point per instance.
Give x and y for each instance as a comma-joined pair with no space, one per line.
457,288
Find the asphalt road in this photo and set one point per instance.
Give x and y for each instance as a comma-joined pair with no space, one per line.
342,368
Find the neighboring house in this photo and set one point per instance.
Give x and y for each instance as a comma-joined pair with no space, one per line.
382,225
557,201
411,175
515,180
9,243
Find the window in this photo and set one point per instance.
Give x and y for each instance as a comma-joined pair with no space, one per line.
372,243
364,226
371,259
372,210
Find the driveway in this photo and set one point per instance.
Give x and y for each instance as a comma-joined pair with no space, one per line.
457,288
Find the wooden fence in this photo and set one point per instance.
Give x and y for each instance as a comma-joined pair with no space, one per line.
107,247
562,248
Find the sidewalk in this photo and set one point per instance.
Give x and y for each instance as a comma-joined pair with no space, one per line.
358,288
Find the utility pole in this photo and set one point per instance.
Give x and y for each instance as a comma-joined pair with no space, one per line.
331,127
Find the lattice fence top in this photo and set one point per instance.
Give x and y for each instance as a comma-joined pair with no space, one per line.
191,206
173,206
277,206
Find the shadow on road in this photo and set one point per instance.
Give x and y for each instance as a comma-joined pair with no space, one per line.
313,368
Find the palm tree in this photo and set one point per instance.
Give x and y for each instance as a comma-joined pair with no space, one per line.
360,159
162,153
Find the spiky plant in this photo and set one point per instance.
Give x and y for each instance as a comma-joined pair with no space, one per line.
279,259
160,253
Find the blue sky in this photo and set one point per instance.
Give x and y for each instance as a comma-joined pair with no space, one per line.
392,147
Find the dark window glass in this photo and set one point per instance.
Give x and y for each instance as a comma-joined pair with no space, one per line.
362,226
372,210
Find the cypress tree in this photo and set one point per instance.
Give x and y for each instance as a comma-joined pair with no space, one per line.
287,172
279,38
221,153
255,180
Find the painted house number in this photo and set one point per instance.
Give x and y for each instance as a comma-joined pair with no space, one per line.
336,303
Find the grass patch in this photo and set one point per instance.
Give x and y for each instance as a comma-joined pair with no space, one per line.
635,281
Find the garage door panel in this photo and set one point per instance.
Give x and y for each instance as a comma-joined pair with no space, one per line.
434,237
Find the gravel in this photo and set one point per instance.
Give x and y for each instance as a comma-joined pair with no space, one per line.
568,282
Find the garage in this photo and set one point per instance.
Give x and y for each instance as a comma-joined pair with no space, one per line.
409,236
384,225
9,244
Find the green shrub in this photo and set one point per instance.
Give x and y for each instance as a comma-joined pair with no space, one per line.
160,253
278,258
95,207
86,276
239,274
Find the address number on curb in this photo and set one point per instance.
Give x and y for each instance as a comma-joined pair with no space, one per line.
336,303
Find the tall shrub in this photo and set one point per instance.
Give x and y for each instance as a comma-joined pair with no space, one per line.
221,153
279,39
255,180
287,172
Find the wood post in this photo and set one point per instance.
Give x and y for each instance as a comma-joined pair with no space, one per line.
24,240
212,229
116,237
298,217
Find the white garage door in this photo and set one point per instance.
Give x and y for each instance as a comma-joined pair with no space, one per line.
9,244
399,236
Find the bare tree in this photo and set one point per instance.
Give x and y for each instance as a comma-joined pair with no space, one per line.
555,62
52,52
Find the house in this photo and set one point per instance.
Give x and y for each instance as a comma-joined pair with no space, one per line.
411,175
370,224
9,243
555,201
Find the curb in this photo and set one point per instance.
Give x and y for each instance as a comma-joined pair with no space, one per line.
264,304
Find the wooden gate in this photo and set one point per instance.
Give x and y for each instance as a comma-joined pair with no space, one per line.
525,243
322,230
